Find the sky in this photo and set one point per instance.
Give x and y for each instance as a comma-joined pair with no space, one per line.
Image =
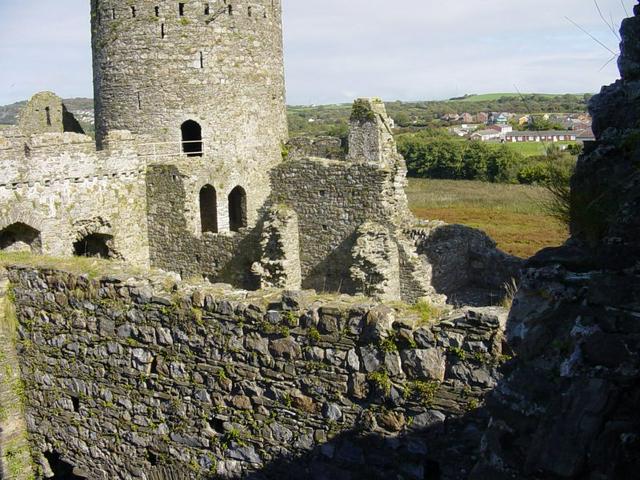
337,50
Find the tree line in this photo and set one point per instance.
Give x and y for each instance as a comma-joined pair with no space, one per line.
432,154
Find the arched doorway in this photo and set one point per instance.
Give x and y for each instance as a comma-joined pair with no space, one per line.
237,209
20,237
192,138
98,245
208,209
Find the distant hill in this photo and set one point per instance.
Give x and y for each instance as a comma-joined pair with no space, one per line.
490,97
332,119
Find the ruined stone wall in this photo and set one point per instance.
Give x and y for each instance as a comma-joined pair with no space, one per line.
466,264
175,246
64,190
128,378
332,199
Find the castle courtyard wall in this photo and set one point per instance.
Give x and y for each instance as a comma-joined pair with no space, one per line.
130,378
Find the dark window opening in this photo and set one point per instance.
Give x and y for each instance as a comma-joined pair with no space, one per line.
181,9
237,209
162,32
230,10
207,9
249,12
113,13
139,102
20,237
94,245
133,11
192,138
76,403
208,209
157,10
61,469
47,111
201,60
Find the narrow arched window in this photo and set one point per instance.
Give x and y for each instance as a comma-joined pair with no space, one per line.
47,111
208,209
192,138
237,209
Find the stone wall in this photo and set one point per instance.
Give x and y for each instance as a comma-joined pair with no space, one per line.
45,113
64,190
129,377
466,264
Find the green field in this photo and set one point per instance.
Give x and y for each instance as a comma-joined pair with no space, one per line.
533,149
513,215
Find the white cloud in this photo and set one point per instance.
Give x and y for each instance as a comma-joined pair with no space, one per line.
339,49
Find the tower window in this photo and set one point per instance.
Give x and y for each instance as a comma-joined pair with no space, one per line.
230,9
208,209
139,102
201,60
192,138
157,10
249,11
113,13
207,9
237,209
47,111
162,31
133,11
181,9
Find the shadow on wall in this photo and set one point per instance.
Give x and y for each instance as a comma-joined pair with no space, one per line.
439,451
332,274
467,265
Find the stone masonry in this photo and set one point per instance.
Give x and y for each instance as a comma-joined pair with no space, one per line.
130,378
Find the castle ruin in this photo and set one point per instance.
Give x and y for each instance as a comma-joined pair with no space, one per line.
189,172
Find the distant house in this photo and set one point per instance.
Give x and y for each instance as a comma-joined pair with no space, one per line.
450,117
482,117
501,128
498,118
486,135
585,135
466,118
546,136
523,120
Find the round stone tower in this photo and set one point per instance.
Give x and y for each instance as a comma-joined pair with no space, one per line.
204,78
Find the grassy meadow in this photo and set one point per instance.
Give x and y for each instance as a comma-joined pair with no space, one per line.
513,215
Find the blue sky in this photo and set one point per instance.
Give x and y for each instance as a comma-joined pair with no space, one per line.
336,50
